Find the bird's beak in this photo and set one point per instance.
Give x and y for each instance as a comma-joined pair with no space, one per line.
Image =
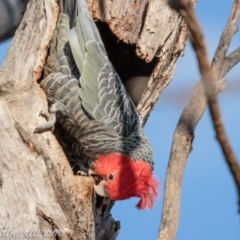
91,172
100,187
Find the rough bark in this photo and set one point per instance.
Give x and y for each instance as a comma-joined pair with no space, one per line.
38,188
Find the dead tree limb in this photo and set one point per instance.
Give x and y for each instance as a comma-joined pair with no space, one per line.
198,44
230,61
184,133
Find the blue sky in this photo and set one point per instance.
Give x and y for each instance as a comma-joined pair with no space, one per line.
209,198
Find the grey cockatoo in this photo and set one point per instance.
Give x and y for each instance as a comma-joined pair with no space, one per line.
96,111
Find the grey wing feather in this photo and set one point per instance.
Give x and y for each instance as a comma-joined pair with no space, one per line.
60,50
102,92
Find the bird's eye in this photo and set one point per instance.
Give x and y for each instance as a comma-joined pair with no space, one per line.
110,177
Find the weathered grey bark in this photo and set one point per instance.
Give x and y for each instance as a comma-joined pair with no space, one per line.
38,187
10,17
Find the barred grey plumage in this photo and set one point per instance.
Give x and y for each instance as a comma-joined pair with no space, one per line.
96,111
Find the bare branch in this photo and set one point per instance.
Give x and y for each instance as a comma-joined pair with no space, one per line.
181,147
184,133
205,69
225,40
230,61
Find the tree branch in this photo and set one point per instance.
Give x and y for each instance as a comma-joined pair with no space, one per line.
167,49
184,133
226,37
230,61
205,69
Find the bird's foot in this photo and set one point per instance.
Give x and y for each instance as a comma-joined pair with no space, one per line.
82,173
50,116
44,113
79,168
48,126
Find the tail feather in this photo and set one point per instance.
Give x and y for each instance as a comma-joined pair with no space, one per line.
84,31
78,50
82,6
69,8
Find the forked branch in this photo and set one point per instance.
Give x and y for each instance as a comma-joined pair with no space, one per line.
184,133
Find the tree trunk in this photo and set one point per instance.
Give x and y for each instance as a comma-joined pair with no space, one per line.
39,191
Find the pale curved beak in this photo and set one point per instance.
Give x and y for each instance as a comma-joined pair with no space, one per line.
100,189
91,172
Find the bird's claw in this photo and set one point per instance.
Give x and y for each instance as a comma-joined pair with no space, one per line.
51,120
81,173
44,113
44,128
